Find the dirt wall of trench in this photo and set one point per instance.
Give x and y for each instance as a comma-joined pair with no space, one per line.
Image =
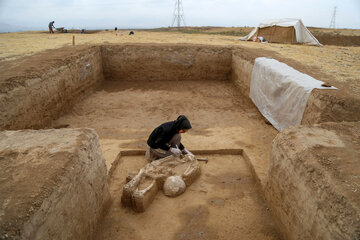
322,105
52,188
313,182
40,88
157,62
331,106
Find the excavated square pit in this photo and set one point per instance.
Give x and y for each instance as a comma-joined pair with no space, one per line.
136,96
124,92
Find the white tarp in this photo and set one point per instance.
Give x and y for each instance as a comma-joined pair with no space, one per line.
303,35
280,92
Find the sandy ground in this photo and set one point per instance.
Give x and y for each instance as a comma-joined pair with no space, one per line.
124,114
340,63
223,203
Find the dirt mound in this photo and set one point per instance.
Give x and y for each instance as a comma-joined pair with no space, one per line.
337,39
53,184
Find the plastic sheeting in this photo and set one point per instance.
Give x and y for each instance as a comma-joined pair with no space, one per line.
303,35
280,92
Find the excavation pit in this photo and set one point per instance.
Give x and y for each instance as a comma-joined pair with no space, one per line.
125,91
223,203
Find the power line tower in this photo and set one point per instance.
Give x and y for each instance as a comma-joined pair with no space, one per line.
332,23
178,15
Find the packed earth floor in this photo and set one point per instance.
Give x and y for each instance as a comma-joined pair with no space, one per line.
125,113
223,203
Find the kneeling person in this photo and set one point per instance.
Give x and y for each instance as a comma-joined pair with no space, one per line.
166,139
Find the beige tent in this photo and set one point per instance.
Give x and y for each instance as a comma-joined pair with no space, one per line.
287,30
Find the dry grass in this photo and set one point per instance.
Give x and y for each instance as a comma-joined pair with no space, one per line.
343,63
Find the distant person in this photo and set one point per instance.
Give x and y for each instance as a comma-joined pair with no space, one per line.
165,140
51,26
82,31
131,33
115,28
261,39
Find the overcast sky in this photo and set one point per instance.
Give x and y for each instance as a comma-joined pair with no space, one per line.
159,13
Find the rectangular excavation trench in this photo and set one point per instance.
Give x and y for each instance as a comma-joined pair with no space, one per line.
138,94
124,91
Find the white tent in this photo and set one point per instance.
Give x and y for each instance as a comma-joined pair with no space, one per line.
286,30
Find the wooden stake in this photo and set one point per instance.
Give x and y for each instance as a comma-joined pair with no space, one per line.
73,40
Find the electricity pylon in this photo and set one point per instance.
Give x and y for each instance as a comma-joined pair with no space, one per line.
179,17
332,23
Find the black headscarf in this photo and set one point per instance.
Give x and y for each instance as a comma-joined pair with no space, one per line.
182,123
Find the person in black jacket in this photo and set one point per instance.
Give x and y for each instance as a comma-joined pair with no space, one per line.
166,139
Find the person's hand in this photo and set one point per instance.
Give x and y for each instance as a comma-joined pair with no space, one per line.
187,151
175,151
